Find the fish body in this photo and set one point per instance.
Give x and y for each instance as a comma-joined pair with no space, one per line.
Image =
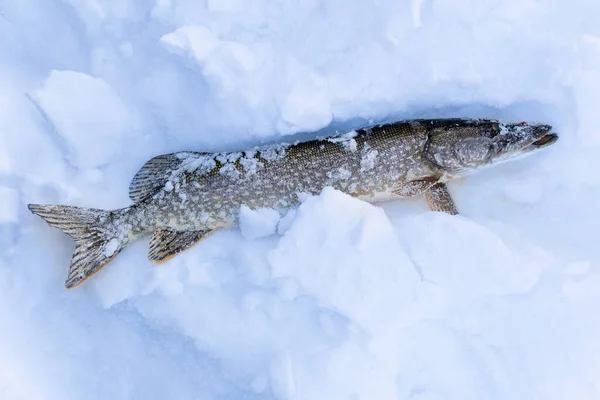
199,190
181,197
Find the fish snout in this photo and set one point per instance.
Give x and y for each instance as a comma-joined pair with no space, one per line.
542,137
546,140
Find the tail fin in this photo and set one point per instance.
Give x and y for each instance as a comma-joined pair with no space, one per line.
97,235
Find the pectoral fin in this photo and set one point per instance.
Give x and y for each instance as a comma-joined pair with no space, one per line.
166,243
439,199
413,188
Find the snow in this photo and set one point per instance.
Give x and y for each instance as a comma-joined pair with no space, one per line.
258,223
9,205
79,106
338,299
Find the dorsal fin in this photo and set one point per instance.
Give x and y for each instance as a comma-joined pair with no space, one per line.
155,173
152,176
166,243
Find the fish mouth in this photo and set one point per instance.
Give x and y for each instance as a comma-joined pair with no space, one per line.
544,141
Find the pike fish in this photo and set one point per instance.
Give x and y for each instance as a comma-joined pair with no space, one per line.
180,198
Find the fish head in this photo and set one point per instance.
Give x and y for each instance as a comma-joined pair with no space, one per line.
464,149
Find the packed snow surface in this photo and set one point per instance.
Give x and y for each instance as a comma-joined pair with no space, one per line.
339,299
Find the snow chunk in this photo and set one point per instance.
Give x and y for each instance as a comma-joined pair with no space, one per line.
9,205
88,115
345,253
282,377
197,40
224,63
286,222
122,278
307,105
255,224
475,258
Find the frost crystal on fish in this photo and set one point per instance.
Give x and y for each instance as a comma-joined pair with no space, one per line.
204,217
274,152
346,140
183,197
368,158
111,247
250,162
340,174
514,128
228,157
200,163
229,170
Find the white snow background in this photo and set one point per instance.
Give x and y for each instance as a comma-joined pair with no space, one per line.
341,299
